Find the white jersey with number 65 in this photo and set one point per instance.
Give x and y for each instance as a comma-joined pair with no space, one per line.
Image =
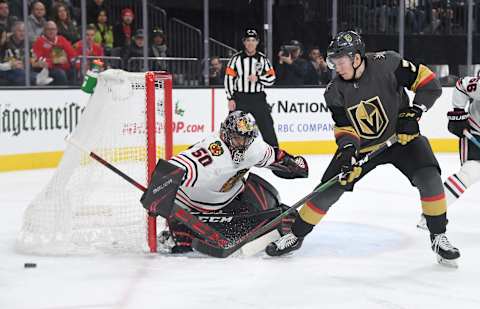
467,93
212,179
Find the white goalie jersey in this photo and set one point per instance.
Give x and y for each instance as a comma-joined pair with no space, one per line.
467,94
212,179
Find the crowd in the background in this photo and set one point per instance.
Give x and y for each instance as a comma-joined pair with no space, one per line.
295,70
421,16
54,37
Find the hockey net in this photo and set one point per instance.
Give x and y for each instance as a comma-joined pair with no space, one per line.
87,208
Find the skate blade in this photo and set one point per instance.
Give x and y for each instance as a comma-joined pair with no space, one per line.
422,227
447,263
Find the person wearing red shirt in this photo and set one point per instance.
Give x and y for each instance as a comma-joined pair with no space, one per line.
93,49
57,52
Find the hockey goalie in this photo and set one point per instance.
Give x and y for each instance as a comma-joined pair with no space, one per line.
210,181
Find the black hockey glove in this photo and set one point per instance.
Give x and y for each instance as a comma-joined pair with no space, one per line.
407,124
288,166
457,121
347,157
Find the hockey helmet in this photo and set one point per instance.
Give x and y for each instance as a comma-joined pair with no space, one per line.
238,131
345,43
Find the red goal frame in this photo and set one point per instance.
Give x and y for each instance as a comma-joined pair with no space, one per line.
151,78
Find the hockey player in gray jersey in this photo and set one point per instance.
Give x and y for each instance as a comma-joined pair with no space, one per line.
369,105
464,116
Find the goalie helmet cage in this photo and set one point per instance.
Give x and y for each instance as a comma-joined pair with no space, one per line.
85,207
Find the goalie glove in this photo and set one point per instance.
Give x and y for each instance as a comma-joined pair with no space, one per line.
160,195
287,166
457,121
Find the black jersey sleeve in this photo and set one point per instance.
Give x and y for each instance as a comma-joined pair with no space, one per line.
344,131
419,79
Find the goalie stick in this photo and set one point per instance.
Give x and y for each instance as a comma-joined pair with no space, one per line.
178,212
224,251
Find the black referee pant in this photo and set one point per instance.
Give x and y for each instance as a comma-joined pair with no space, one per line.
256,104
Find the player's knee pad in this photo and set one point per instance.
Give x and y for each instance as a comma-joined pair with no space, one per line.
469,173
428,181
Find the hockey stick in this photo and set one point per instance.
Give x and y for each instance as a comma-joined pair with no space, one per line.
223,252
178,212
471,138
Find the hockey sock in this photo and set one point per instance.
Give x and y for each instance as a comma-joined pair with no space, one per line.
432,196
456,184
300,228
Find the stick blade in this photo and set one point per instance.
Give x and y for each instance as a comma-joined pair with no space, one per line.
211,249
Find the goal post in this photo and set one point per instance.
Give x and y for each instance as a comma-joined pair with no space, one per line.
87,208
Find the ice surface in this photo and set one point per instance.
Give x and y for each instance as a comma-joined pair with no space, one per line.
366,253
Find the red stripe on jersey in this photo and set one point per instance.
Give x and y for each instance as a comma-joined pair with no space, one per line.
191,170
426,80
184,199
434,198
454,182
315,209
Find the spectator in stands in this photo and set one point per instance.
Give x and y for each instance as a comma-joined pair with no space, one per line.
11,70
104,34
57,51
386,14
135,50
6,20
15,54
217,72
75,11
317,72
159,49
291,68
66,26
414,16
92,48
122,32
93,9
36,21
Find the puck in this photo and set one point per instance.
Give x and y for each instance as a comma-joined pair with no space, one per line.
30,265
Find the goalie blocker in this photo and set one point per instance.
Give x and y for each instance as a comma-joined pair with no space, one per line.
159,198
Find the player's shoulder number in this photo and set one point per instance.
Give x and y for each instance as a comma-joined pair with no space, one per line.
472,84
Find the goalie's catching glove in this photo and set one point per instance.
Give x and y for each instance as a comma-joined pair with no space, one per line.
288,166
407,124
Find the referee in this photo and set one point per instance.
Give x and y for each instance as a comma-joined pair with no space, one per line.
247,73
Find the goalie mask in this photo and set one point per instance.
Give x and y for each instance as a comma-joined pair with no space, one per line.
238,132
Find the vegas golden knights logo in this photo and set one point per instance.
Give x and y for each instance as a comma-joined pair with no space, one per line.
369,118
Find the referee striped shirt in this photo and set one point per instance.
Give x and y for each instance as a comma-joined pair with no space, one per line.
240,66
